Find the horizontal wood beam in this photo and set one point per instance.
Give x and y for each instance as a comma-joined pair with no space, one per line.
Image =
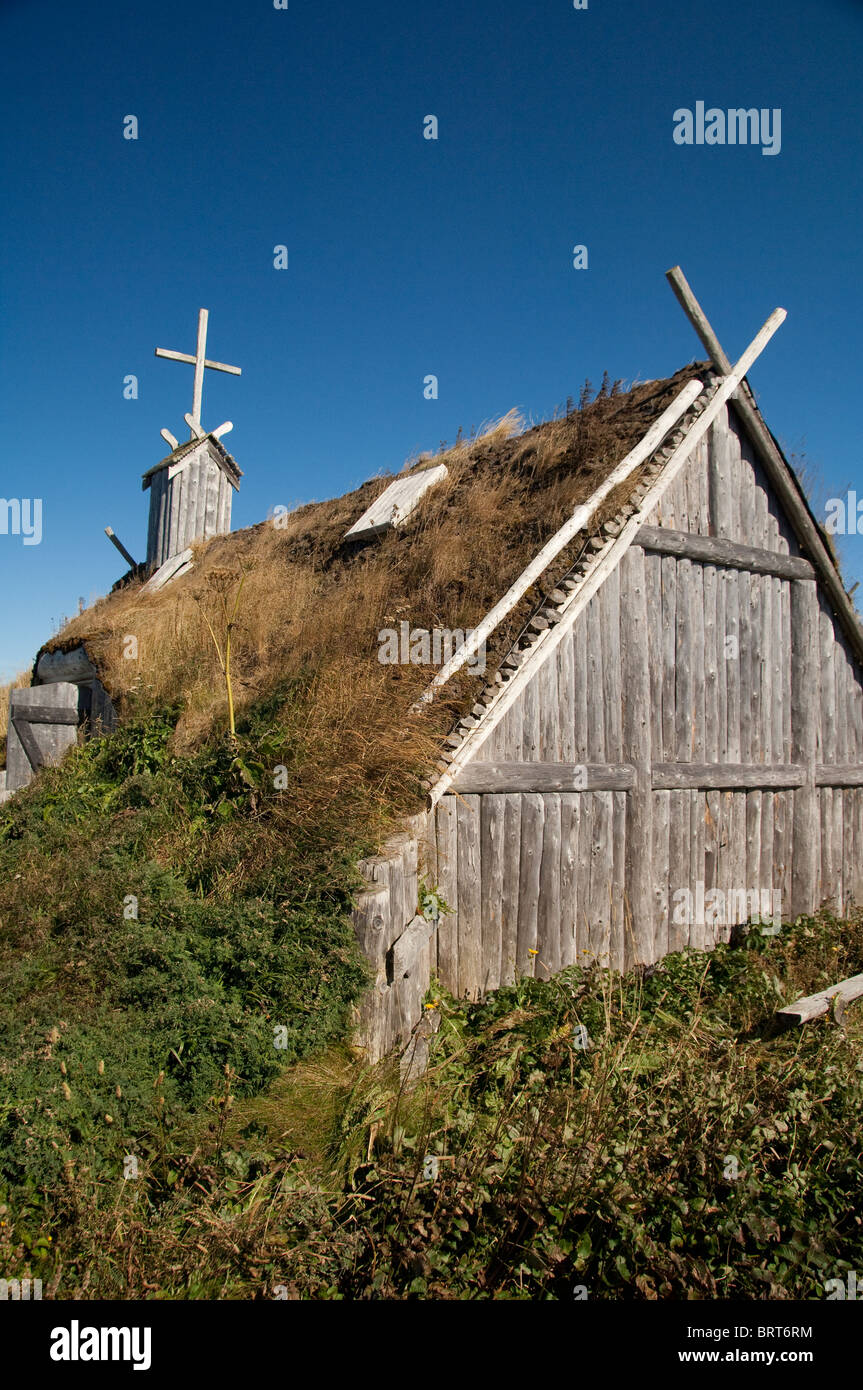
814,1005
776,467
715,550
544,777
478,778
726,776
839,775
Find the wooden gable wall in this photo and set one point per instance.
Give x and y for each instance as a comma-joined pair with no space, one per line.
670,740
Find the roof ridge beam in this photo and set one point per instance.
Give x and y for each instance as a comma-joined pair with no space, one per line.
776,467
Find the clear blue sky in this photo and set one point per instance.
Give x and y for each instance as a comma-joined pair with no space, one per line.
406,256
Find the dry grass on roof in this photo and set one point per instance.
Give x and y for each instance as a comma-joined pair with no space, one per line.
313,605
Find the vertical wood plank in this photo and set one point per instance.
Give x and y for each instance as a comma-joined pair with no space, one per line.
767,878
756,656
581,677
622,937
595,714
548,925
805,700
719,475
532,817
678,868
667,749
529,709
609,619
732,667
510,892
711,668
570,810
470,973
697,813
634,656
683,662
447,867
566,698
753,840
653,589
661,869
493,813
696,618
601,873
549,734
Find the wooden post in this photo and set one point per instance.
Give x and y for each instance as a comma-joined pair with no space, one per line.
115,540
805,702
635,685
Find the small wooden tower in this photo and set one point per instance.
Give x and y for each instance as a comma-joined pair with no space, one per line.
191,488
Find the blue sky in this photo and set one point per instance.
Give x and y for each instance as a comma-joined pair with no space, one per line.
407,257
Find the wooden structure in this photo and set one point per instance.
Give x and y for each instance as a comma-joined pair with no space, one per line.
681,724
192,487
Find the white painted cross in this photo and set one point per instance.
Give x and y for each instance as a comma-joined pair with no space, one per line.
199,362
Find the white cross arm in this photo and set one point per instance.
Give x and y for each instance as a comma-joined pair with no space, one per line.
185,357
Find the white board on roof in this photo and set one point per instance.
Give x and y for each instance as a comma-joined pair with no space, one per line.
396,502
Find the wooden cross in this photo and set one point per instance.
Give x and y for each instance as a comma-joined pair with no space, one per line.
199,362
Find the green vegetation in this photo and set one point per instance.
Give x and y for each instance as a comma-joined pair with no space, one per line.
688,1151
160,917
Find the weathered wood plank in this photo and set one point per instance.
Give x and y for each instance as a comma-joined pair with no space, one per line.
753,839
731,653
668,747
711,669
653,591
446,817
816,1005
714,550
510,891
726,776
719,476
839,849
532,819
636,695
493,814
828,687
683,663
370,924
767,877
548,960
595,715
601,874
713,834
581,676
756,665
566,698
696,618
697,811
623,938
528,706
470,966
609,599
678,866
549,732
570,815
805,700
660,860
479,777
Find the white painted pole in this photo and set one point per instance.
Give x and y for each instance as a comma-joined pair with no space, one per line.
550,639
200,358
570,528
